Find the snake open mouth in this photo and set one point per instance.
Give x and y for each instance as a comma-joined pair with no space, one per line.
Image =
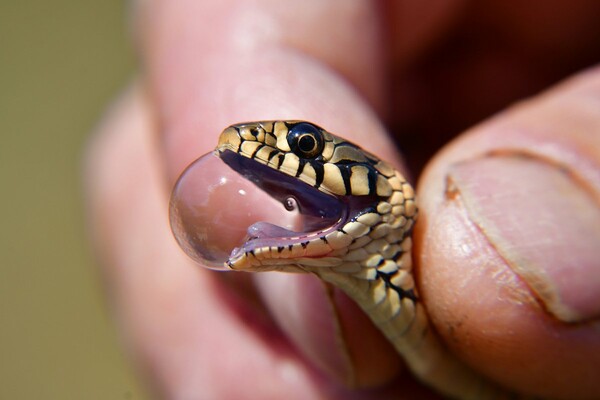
319,212
226,205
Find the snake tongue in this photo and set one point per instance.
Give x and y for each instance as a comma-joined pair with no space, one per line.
262,230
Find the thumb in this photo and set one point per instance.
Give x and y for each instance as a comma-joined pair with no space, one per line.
509,243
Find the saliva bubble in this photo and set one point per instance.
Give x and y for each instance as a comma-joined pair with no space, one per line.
214,210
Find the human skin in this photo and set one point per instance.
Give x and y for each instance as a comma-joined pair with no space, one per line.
508,237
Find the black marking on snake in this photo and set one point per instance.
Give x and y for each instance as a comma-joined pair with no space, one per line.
280,249
272,154
323,238
319,172
290,246
255,131
387,278
267,133
348,161
280,161
304,245
345,172
372,179
264,128
256,151
301,164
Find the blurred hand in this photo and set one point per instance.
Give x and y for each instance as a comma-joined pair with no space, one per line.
508,240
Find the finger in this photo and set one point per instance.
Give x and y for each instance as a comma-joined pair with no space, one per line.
236,62
509,241
210,64
189,332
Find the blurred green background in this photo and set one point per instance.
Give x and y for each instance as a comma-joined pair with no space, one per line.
60,64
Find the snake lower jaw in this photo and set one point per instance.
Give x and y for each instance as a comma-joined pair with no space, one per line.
281,258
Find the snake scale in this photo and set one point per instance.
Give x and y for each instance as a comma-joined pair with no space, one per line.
367,254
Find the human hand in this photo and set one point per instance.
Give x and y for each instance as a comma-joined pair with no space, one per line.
486,248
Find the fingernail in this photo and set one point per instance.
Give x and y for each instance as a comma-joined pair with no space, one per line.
543,222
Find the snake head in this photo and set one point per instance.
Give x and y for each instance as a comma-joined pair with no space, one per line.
346,196
308,153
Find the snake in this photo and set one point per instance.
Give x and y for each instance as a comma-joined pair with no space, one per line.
366,253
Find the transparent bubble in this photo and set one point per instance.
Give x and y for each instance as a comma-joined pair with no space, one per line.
215,210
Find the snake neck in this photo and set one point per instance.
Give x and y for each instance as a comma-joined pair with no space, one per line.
376,272
376,264
376,267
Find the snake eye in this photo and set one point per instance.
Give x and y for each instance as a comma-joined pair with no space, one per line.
305,140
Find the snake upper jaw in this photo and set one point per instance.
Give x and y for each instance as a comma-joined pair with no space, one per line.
229,139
